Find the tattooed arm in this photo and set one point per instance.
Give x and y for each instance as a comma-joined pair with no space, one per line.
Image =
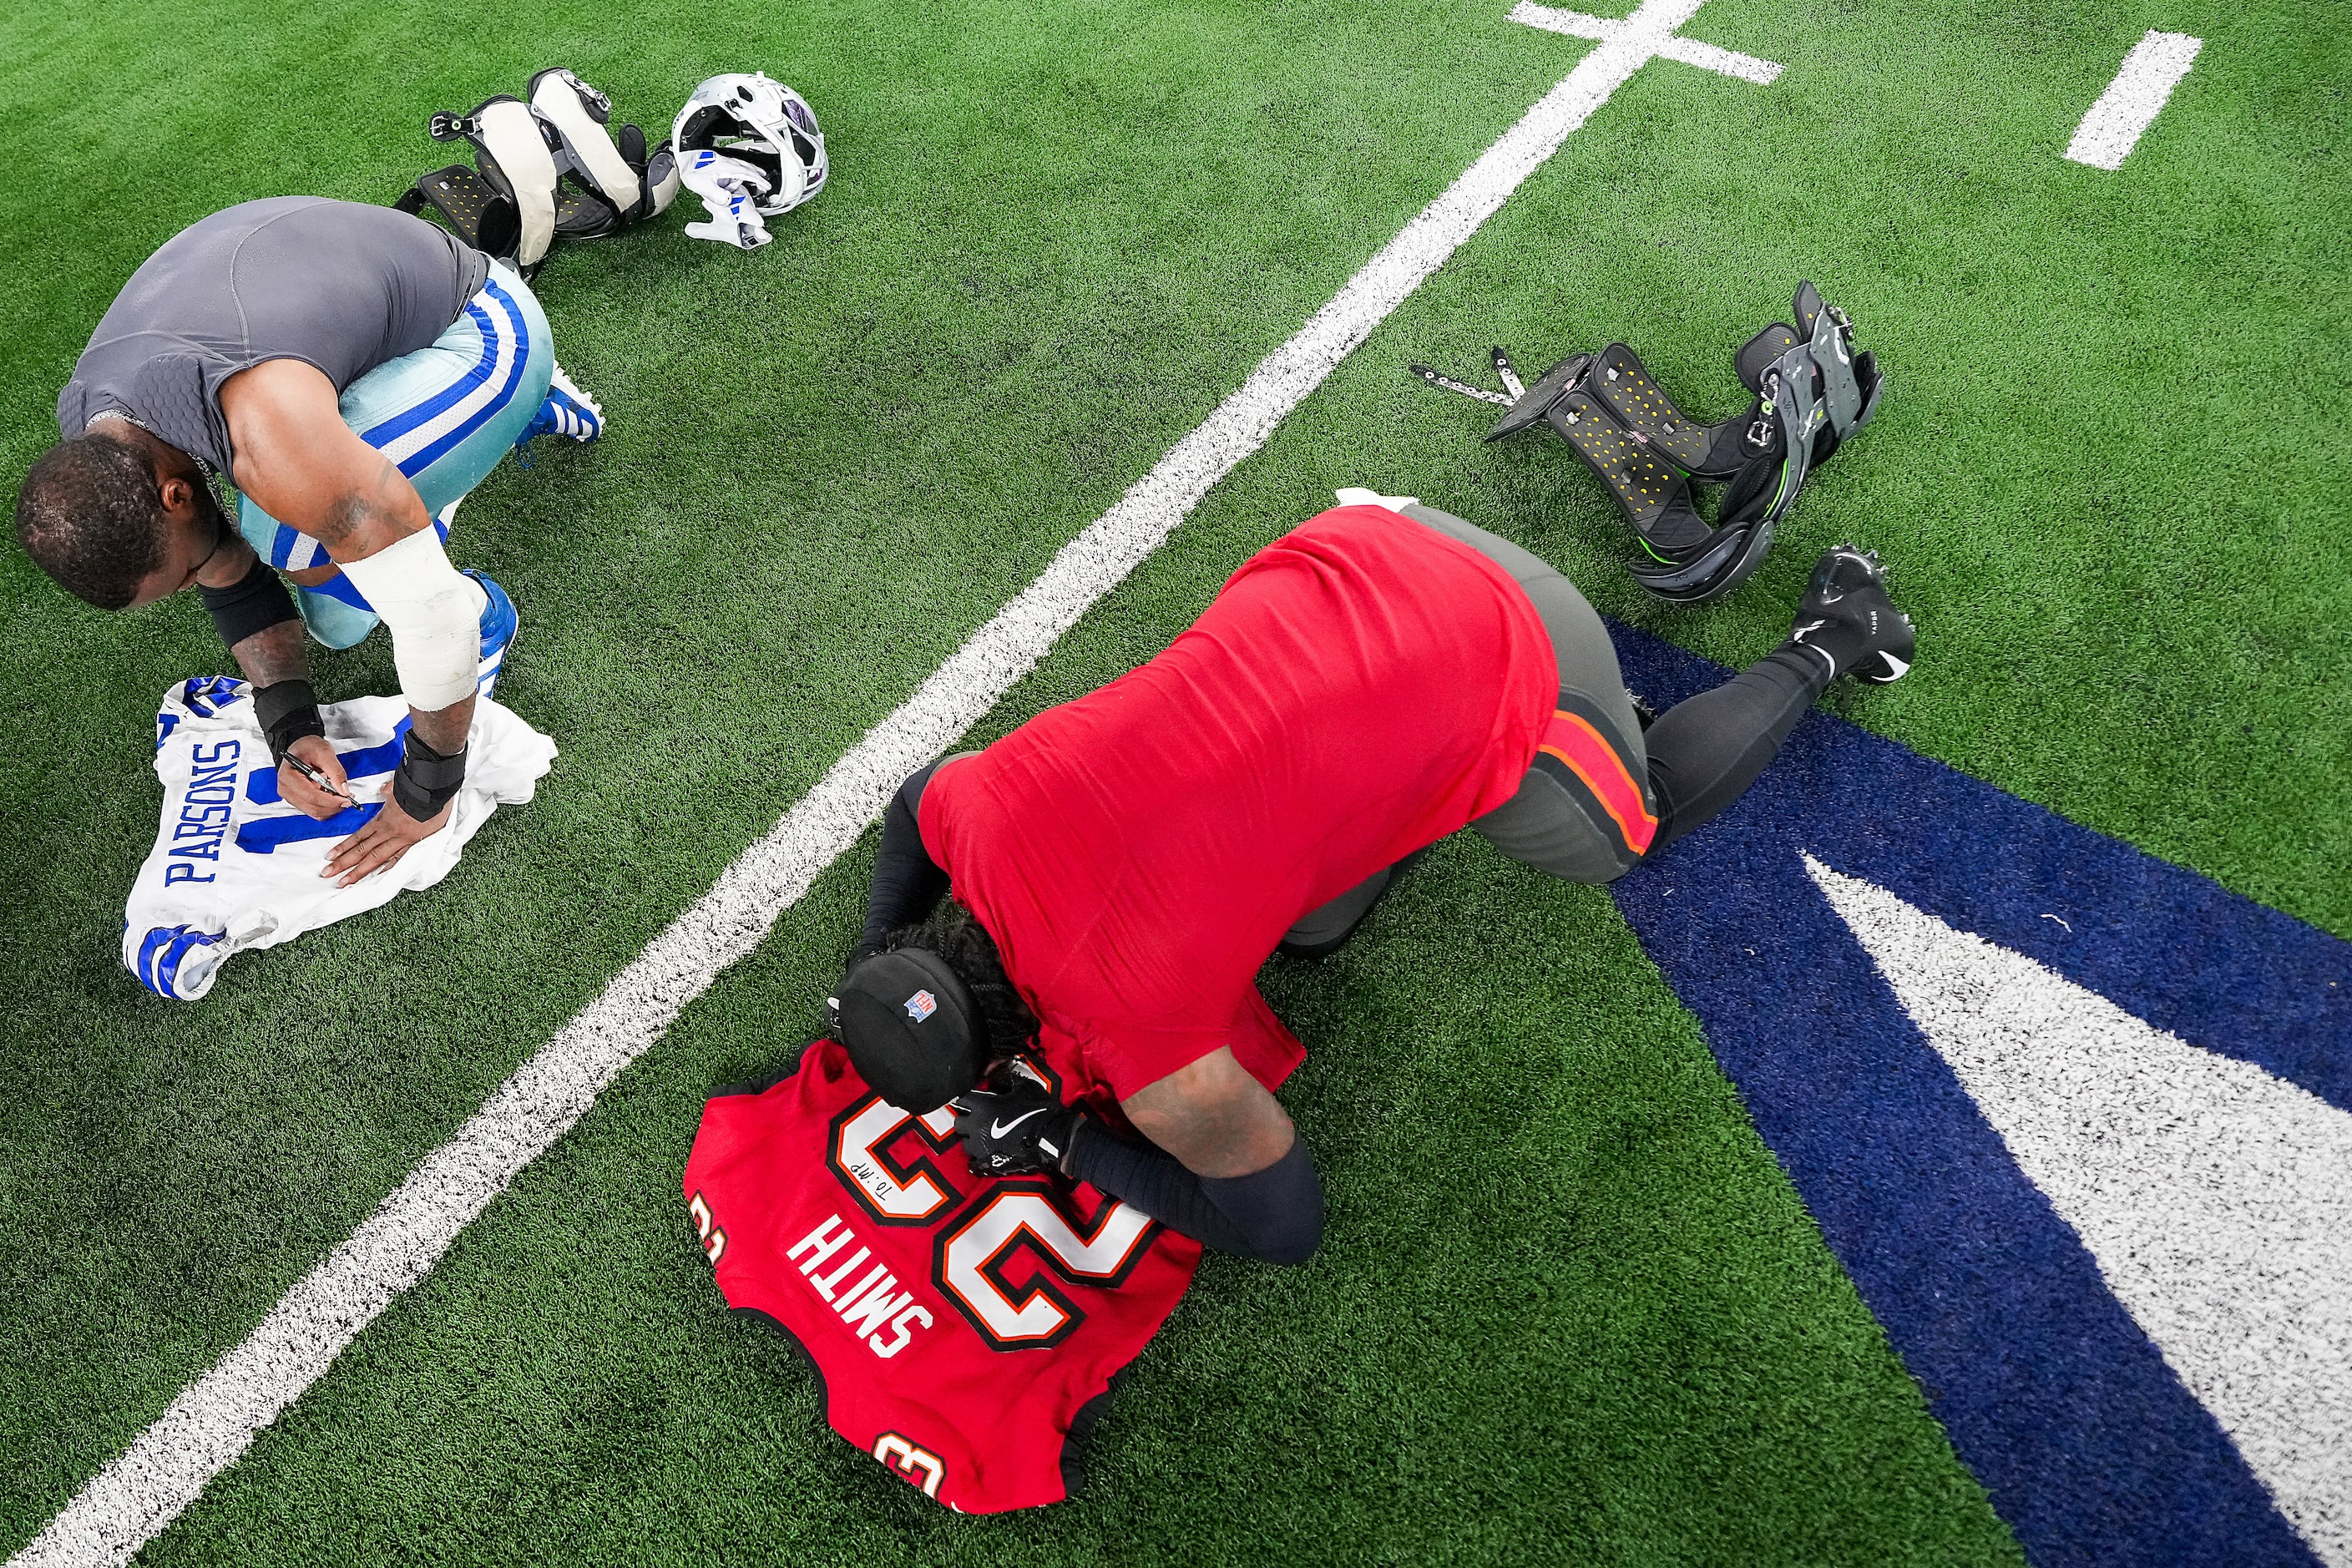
303,466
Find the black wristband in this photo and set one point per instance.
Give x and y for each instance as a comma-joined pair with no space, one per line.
254,603
1067,1165
287,710
426,781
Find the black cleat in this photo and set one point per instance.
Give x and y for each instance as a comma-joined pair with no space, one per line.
1846,618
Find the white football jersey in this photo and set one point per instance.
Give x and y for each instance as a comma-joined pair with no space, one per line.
234,867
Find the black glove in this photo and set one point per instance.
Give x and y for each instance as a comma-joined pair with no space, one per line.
1016,1130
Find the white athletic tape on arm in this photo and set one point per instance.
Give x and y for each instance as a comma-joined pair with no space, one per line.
435,613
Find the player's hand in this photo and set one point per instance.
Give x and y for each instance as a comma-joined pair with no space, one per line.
306,796
382,841
1016,1130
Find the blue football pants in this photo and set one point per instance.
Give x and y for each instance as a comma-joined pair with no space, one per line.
445,414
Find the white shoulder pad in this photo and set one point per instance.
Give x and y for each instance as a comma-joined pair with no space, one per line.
508,135
573,108
661,180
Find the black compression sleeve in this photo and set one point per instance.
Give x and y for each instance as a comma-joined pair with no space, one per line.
1705,749
254,602
1276,1214
907,884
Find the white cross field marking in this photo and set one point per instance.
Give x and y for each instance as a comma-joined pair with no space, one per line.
1665,43
2113,126
215,1418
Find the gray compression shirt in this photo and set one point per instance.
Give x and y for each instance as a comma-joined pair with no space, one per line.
336,285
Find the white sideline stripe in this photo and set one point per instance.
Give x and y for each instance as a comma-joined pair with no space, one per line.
2216,1198
2114,125
217,1417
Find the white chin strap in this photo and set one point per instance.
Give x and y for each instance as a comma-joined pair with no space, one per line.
793,189
731,188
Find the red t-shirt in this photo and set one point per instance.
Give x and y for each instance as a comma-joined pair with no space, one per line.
1360,687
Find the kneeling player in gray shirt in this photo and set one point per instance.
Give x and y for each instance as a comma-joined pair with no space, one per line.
353,371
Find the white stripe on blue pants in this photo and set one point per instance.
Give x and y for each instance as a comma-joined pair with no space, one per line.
445,415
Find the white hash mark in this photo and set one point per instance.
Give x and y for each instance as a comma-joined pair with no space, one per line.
2114,125
1656,24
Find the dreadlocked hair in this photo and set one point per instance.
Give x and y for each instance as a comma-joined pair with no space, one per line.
955,934
90,514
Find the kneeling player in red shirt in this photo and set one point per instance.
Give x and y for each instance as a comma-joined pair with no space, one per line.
1121,866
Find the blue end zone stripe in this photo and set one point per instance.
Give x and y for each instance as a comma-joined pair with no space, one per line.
2220,971
2092,1449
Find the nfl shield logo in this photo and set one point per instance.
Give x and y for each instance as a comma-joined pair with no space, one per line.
922,1006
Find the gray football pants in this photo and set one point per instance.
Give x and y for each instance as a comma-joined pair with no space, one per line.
1695,760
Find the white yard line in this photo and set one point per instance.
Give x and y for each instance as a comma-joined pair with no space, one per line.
1707,57
216,1420
2216,1198
2114,126
1689,51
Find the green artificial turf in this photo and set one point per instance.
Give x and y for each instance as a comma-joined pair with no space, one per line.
1611,1337
1569,1309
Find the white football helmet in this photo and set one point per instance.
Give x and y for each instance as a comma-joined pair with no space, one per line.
761,122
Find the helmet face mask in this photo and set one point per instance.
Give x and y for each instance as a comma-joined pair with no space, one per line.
761,122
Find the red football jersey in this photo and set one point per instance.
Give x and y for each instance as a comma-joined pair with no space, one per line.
961,1325
1360,687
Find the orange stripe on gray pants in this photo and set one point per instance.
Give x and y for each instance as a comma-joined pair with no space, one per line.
1583,813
